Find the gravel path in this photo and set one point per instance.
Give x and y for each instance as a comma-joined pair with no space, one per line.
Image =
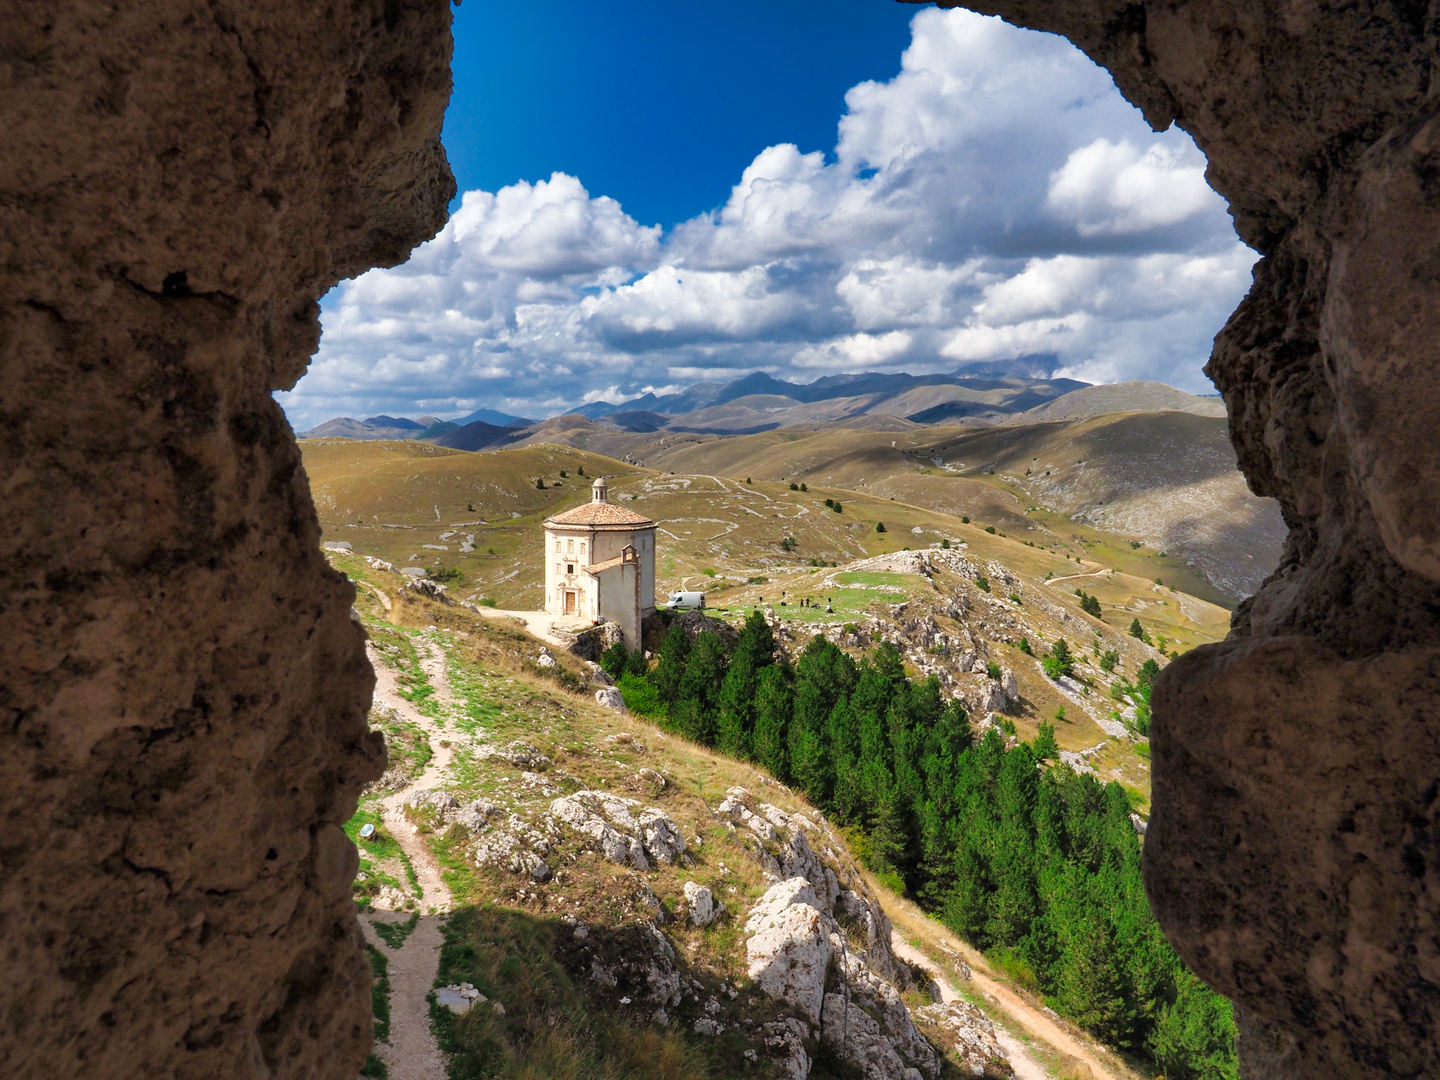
412,1053
1026,1067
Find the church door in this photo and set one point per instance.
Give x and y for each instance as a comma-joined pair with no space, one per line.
569,603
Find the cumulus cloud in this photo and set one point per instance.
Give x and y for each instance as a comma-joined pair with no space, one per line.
996,198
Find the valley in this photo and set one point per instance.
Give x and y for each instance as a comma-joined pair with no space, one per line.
950,547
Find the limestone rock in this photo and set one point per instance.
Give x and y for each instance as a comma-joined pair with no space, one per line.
619,832
788,946
785,1039
966,1036
609,697
704,908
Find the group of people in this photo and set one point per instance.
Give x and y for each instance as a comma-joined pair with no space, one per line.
805,601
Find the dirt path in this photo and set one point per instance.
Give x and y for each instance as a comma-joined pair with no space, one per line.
1017,1008
412,1052
1026,1067
1076,577
435,894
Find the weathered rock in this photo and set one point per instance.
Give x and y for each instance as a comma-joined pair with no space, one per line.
857,1039
788,948
785,1039
184,692
1320,129
617,832
609,697
966,1036
520,754
663,841
475,816
704,908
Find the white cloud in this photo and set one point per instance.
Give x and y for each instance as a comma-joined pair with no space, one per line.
1116,188
997,197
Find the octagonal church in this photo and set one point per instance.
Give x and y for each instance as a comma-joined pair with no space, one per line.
600,564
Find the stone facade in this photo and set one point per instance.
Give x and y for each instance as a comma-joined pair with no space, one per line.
600,564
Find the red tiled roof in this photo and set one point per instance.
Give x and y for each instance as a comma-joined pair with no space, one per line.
599,513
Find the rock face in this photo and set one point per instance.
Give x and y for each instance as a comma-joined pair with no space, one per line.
618,831
824,951
1294,852
182,690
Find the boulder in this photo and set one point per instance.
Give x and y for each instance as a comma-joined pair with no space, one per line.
610,698
704,908
788,947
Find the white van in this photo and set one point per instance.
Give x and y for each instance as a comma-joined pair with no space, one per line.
686,601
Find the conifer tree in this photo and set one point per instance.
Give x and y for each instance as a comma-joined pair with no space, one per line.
704,675
754,652
674,654
772,722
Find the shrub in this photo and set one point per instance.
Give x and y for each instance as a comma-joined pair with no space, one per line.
1109,660
836,506
1024,647
747,480
1148,671
446,575
1134,544
982,582
580,470
945,543
540,483
993,670
964,519
469,508
1059,663
794,486
641,695
487,601
1059,715
563,474
1045,746
787,543
804,488
990,529
879,526
1089,604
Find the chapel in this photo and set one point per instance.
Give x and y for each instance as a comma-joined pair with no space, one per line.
600,564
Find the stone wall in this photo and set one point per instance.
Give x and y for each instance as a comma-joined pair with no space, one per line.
1294,853
182,691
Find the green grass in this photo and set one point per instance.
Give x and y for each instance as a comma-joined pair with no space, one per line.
379,990
553,1024
394,934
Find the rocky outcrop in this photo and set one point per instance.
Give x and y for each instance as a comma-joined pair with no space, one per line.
966,1036
822,947
1294,852
618,832
182,691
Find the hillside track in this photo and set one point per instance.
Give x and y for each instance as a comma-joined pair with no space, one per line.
1017,1008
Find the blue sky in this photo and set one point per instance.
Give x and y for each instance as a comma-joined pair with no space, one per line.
658,194
656,104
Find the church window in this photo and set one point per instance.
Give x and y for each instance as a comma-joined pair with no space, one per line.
570,546
557,548
582,547
569,568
